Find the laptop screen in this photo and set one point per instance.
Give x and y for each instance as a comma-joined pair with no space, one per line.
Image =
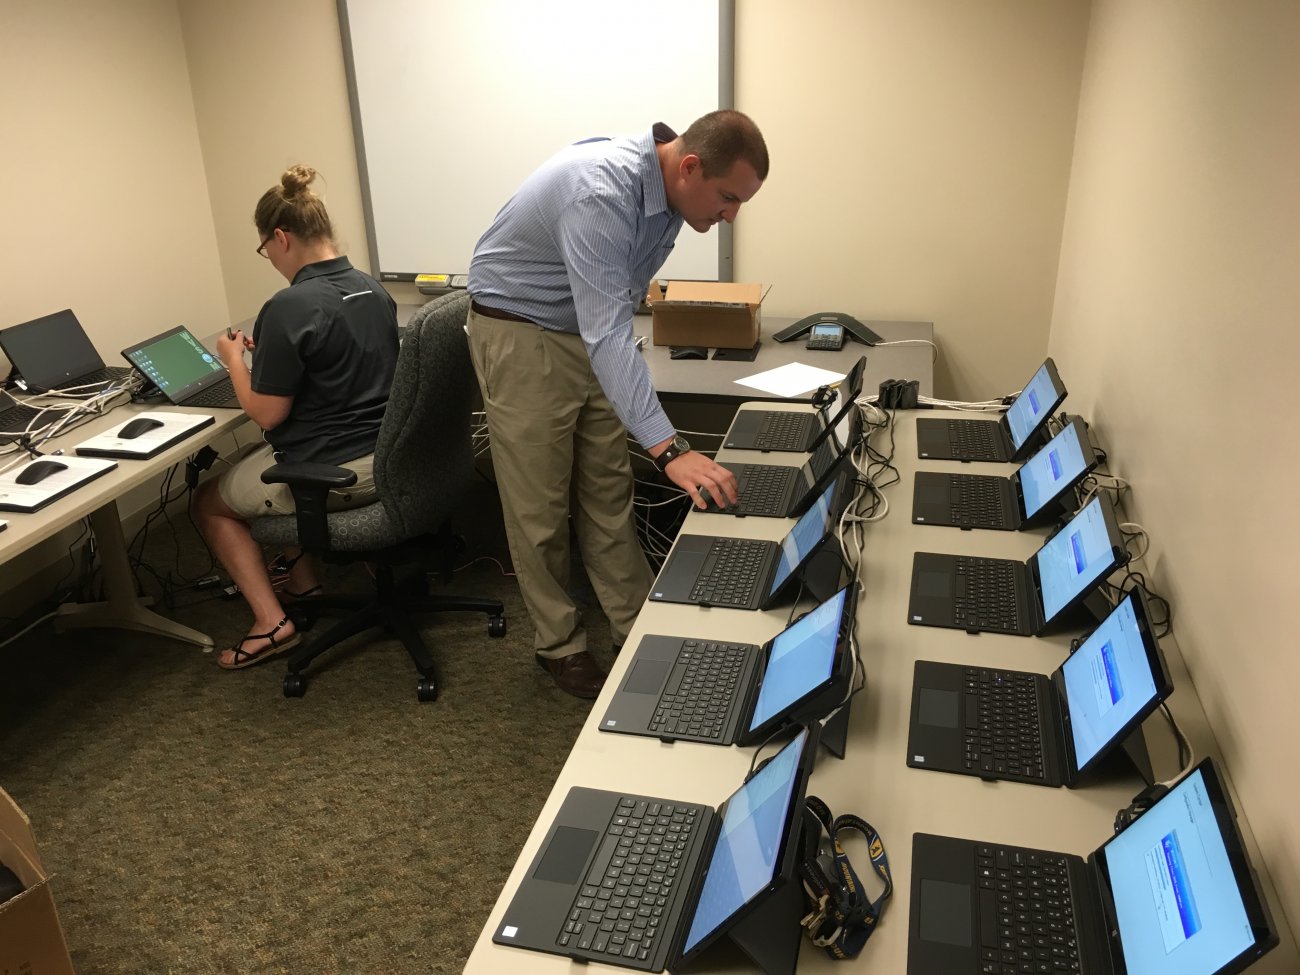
50,351
1032,406
1108,681
175,361
1054,468
748,851
801,660
800,540
1074,559
1179,905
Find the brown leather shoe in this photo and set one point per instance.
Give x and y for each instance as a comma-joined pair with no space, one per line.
577,674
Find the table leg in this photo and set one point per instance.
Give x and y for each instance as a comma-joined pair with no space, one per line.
122,608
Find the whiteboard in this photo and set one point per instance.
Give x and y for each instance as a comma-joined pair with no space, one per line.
454,102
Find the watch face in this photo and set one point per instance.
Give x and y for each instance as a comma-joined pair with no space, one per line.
680,443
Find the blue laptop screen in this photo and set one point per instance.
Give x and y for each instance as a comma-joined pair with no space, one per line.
801,660
1177,901
1031,406
803,537
1075,559
748,850
1108,680
1052,469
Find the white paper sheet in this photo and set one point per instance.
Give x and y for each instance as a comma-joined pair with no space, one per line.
791,379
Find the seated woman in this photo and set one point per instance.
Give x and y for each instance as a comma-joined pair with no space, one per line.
323,351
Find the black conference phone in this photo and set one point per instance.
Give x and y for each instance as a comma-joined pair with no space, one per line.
852,327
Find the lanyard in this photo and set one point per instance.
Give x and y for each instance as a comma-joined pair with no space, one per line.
840,918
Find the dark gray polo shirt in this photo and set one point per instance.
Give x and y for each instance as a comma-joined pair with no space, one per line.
329,340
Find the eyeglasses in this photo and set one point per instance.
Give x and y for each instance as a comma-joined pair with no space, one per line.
261,248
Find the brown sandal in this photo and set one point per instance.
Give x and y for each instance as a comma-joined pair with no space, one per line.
244,658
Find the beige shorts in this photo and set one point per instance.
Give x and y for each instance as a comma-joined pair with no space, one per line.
242,490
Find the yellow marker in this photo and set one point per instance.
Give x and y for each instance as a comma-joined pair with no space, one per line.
436,280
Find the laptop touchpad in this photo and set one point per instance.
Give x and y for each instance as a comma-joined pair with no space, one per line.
945,912
647,677
933,583
566,855
938,708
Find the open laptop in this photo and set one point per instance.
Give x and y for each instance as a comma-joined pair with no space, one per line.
1006,724
1026,499
781,491
588,897
722,693
795,432
748,573
1173,894
1023,598
1008,438
54,352
183,370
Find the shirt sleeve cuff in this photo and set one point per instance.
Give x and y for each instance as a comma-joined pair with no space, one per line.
654,431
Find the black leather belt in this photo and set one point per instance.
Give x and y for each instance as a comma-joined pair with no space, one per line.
499,314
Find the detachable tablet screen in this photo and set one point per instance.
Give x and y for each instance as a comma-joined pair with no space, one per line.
176,362
1075,559
1050,471
1032,407
801,660
803,538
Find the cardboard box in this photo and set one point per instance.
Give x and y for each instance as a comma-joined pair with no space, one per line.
717,314
31,938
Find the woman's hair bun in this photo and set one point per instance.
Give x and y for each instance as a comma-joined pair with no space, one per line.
295,180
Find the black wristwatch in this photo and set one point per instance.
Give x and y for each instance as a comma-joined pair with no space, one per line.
675,449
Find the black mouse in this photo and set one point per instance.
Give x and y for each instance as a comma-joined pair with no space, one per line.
39,471
141,424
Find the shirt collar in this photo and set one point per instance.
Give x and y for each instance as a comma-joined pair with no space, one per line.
656,197
321,268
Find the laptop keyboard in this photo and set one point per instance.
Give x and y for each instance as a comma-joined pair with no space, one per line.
730,572
782,431
1003,733
700,690
977,500
1025,915
218,394
14,421
620,911
986,594
762,488
974,439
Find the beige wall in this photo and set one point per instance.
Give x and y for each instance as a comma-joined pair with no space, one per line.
1175,326
103,196
920,155
269,91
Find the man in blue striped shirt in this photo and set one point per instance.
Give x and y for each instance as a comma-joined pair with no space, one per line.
556,280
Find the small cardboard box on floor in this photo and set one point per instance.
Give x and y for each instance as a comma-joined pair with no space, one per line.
716,314
31,938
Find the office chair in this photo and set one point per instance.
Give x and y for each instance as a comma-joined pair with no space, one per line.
424,467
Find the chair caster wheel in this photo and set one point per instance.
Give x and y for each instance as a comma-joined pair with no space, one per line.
497,626
426,690
295,685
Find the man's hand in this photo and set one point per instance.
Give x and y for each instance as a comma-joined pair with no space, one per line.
692,470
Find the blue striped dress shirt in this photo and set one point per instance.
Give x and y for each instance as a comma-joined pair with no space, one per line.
574,251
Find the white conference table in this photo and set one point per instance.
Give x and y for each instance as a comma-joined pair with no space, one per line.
873,779
121,608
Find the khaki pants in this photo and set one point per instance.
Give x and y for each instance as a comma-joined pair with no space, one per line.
555,437
243,491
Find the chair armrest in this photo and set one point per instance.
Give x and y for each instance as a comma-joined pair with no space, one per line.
310,485
309,475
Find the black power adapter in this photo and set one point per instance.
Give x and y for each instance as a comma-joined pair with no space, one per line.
899,394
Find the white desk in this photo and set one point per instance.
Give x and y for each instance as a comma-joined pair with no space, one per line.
120,608
873,780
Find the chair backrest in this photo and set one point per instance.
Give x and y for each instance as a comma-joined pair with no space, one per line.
424,457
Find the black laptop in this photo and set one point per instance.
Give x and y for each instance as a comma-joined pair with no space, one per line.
1173,894
1010,438
795,432
650,883
1023,598
1006,724
725,693
183,370
1028,498
781,491
748,573
54,352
